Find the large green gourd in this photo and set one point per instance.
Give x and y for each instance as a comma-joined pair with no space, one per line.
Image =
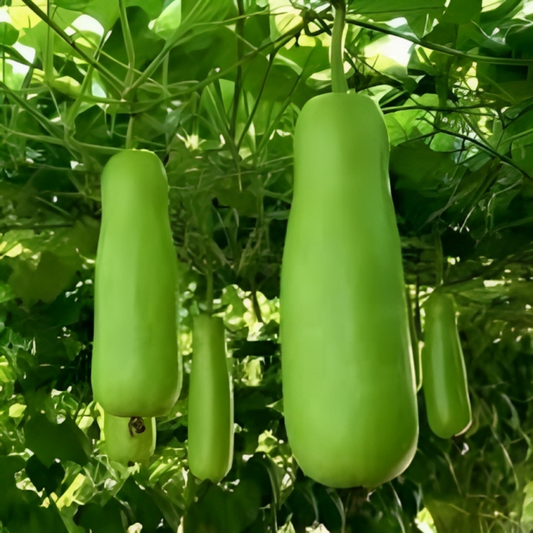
210,402
348,379
135,371
445,386
129,439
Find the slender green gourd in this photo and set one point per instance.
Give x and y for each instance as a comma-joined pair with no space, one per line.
445,385
210,402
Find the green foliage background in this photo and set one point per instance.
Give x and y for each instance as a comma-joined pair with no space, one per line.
214,88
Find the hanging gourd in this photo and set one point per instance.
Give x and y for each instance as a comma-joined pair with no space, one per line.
210,402
445,385
129,439
348,379
135,370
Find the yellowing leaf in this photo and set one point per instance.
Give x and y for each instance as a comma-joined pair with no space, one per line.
22,16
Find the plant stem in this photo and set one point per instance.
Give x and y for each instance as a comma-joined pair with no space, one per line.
209,279
339,84
238,81
128,42
439,258
76,106
258,99
129,133
48,53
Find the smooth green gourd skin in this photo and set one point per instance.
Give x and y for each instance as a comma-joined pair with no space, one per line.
445,384
348,380
210,402
135,370
123,445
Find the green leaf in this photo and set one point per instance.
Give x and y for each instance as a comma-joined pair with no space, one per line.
6,293
48,478
49,441
38,36
72,5
244,201
330,508
147,43
143,506
520,39
462,11
519,134
220,511
52,276
152,7
106,519
38,520
169,20
20,510
449,516
267,474
104,11
8,34
405,125
180,15
303,504
500,13
527,507
425,168
168,510
388,9
107,12
203,11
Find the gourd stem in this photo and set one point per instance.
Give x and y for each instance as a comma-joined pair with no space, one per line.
209,289
129,133
338,81
439,257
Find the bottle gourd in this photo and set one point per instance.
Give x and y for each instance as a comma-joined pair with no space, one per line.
348,379
129,439
445,385
135,368
210,402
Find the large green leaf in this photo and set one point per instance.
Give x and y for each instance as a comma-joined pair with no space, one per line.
107,11
220,511
462,11
20,510
8,34
388,9
50,441
42,477
102,519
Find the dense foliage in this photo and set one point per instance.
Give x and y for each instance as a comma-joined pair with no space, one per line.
214,88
